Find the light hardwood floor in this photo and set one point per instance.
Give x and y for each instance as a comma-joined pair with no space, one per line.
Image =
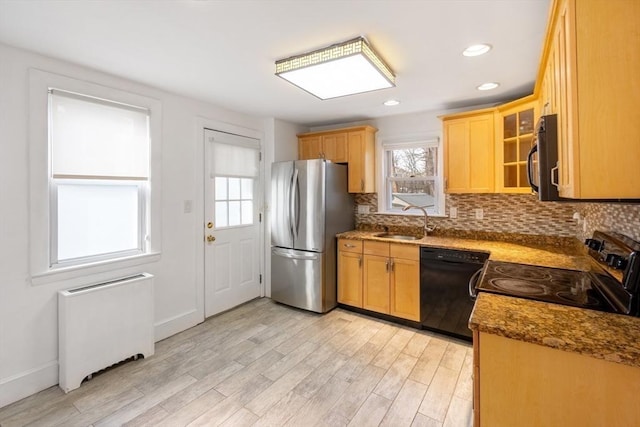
264,364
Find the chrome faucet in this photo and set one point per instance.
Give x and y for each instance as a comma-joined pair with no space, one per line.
426,227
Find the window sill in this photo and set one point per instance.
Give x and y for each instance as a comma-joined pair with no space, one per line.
76,271
416,213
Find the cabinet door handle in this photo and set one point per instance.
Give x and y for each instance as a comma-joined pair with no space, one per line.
362,185
387,265
359,262
393,265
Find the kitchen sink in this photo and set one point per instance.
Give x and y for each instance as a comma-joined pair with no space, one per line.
395,236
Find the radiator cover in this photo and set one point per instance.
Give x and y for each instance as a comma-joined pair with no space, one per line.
102,324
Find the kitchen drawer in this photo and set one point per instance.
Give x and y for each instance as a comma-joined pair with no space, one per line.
411,252
376,248
348,245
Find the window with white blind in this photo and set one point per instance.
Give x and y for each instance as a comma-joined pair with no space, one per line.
411,173
99,178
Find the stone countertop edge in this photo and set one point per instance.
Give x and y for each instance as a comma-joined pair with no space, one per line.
611,337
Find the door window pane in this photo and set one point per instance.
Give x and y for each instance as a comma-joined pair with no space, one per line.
234,188
221,214
234,213
247,212
247,189
221,188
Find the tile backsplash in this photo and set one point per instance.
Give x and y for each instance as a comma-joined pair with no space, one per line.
516,214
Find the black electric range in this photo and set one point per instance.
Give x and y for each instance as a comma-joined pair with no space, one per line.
614,287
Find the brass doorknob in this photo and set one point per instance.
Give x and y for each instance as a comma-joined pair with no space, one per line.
211,239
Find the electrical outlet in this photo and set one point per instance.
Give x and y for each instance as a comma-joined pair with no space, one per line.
453,212
187,206
363,209
479,213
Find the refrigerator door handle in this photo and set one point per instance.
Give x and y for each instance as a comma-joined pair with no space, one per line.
292,204
287,254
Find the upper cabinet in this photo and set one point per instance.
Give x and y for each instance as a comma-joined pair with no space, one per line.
515,123
354,146
469,142
332,146
588,77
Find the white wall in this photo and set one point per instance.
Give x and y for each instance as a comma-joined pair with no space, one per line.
28,313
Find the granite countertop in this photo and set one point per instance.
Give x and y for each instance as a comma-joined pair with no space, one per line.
612,337
545,255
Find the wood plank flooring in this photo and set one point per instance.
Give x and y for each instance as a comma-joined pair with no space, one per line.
265,364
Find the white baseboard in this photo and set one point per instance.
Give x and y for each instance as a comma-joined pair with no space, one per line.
179,323
27,383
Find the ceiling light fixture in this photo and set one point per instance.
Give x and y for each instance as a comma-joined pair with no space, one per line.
341,69
391,102
488,86
477,49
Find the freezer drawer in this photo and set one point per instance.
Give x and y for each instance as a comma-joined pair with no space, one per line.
298,279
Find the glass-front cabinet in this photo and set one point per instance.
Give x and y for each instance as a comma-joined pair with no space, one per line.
515,126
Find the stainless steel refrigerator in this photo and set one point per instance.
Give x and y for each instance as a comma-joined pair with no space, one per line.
309,206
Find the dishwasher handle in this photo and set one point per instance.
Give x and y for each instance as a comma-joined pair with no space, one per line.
473,292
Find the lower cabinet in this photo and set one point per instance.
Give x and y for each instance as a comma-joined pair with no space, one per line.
380,277
517,383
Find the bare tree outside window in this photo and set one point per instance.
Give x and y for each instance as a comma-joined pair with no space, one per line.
411,176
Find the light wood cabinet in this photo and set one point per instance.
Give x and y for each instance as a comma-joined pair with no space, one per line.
515,124
362,160
350,272
392,279
354,146
332,146
588,77
469,152
380,277
522,384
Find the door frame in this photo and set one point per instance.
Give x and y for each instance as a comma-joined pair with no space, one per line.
203,123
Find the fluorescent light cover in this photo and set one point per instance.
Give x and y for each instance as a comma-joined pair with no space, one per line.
342,69
488,86
391,102
477,50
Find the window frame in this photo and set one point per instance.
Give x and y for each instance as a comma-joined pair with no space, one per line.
384,190
40,225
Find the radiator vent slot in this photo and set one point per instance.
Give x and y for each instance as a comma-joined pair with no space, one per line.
102,324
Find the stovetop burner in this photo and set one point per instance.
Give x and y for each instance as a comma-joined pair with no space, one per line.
581,299
516,271
520,287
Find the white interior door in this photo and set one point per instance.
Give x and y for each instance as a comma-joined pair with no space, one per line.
233,194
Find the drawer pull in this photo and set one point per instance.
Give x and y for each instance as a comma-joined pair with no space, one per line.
349,245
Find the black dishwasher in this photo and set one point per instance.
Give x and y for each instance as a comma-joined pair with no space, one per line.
445,275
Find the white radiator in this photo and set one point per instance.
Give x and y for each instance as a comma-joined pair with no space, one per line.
102,324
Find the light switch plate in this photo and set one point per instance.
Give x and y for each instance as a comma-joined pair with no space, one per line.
453,212
363,209
479,213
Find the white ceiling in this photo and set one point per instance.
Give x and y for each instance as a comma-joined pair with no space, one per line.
223,52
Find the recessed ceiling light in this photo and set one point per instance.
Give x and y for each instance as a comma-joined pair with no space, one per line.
391,102
488,86
477,49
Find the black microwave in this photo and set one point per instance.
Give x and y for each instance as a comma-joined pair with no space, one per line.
542,161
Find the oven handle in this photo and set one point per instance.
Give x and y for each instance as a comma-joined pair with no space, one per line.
473,292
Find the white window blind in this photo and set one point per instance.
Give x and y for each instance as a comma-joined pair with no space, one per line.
234,160
95,138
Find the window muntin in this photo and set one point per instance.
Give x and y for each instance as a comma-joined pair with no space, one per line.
233,201
98,180
411,174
